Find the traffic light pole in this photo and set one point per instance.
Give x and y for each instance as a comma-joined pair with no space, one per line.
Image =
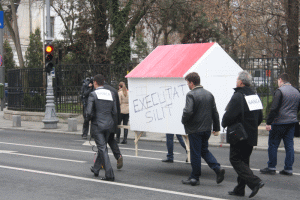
2,68
50,120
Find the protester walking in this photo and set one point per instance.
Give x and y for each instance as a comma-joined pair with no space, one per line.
102,105
199,114
237,111
281,124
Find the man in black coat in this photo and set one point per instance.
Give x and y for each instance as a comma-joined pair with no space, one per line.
102,107
199,115
241,151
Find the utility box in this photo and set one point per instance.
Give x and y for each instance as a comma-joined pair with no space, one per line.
1,90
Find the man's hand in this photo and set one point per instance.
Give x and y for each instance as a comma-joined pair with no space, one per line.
268,127
216,133
90,85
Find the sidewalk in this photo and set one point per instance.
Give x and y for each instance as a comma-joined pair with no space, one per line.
159,137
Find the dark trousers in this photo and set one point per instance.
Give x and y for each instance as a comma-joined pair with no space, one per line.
170,144
199,148
125,119
240,159
101,139
111,142
286,133
85,127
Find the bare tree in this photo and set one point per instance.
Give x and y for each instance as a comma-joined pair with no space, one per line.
14,31
292,22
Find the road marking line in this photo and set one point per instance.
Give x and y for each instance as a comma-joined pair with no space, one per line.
146,150
113,183
35,156
81,151
43,147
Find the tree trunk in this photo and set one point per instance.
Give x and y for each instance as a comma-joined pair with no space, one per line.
292,19
17,37
100,33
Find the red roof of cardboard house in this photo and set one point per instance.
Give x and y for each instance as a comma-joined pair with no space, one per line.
170,61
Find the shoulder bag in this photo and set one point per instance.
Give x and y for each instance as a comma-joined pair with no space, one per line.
236,132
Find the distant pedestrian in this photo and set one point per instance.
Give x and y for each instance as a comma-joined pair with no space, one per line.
199,114
170,146
241,151
124,114
86,89
281,123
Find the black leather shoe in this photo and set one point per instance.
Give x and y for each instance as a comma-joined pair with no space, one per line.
191,181
283,172
167,160
120,162
233,193
220,176
256,188
107,179
268,171
124,142
93,170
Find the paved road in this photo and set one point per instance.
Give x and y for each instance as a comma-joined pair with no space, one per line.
56,166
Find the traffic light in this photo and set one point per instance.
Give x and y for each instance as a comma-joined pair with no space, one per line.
49,58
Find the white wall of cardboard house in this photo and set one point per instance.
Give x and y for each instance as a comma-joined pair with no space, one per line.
157,89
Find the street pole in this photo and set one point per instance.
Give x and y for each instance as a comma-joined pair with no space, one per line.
2,71
30,20
50,120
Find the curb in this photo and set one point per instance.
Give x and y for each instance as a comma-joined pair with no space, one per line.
40,130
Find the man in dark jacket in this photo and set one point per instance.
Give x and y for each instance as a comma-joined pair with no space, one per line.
111,139
199,114
281,123
241,151
86,89
101,104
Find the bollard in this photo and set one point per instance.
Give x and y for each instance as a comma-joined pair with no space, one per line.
72,124
16,120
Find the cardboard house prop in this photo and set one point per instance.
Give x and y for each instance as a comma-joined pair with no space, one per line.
157,89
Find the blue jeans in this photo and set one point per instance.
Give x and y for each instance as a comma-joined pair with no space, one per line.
199,148
286,133
170,144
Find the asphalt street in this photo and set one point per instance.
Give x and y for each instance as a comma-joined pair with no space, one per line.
56,166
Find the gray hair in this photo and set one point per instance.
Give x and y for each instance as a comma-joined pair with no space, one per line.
245,77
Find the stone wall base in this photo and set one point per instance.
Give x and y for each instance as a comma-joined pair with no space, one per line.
39,116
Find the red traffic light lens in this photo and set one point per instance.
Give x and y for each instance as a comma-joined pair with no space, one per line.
49,57
49,49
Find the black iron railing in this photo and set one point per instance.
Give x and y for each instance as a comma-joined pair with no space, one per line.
27,87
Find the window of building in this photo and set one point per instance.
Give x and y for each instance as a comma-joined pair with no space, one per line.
52,27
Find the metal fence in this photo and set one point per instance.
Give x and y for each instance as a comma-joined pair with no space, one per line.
265,72
69,78
27,87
